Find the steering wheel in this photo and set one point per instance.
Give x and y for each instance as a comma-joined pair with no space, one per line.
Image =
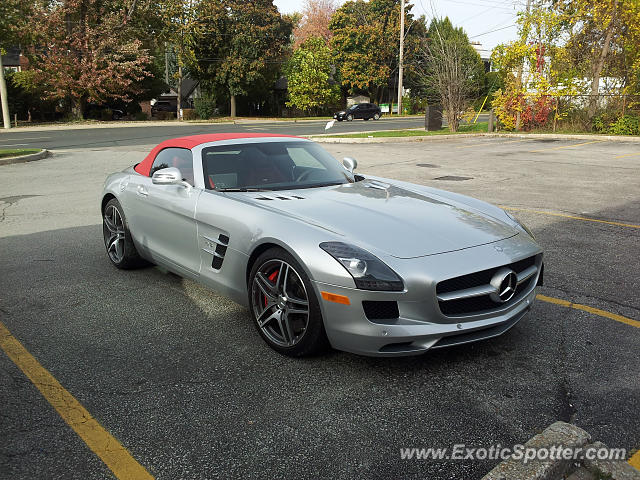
303,175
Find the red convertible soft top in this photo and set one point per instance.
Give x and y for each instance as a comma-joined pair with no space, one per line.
144,167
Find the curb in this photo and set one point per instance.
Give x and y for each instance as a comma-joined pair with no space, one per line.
609,468
427,138
559,433
25,158
568,436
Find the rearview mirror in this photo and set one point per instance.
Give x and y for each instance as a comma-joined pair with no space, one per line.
349,163
168,176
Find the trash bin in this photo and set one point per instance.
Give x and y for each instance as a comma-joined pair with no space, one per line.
433,118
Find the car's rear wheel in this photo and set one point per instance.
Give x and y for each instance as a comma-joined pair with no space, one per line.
376,116
349,118
284,306
117,238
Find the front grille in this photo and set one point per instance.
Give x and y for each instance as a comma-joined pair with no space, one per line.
380,310
482,303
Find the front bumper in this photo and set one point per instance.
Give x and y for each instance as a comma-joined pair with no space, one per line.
421,325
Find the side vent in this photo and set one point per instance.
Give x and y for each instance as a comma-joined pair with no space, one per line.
219,246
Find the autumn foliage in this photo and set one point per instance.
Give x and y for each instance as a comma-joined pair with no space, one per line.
84,51
316,15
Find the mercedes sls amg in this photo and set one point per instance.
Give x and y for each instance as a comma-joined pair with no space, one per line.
320,255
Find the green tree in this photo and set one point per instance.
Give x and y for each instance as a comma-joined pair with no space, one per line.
451,69
308,74
240,45
365,44
602,41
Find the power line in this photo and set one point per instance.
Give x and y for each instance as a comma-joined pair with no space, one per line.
494,30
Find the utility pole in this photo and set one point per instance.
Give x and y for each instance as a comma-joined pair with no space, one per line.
3,97
526,33
400,65
166,64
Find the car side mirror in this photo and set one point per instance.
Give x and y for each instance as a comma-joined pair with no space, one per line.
349,163
168,176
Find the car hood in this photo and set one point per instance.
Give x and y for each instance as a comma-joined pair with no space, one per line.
397,221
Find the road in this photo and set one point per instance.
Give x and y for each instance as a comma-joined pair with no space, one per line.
137,135
179,376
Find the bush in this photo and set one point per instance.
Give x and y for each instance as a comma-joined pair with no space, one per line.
205,107
626,125
614,124
106,114
165,115
189,114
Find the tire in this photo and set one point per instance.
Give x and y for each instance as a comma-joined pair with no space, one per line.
376,116
366,118
117,238
349,118
278,286
339,119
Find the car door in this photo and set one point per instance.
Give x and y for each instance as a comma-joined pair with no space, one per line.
162,217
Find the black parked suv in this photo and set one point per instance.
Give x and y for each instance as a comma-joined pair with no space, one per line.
163,106
361,110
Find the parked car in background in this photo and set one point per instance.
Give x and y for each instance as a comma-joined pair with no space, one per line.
361,110
104,112
162,106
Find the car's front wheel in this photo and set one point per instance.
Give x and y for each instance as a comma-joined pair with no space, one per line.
284,306
349,118
117,238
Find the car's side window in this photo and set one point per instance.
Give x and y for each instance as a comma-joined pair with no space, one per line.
180,158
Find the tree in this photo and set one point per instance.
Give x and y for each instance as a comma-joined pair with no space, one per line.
85,51
240,45
181,25
316,15
451,69
308,74
365,44
601,39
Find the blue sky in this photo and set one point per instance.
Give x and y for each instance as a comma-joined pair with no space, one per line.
487,21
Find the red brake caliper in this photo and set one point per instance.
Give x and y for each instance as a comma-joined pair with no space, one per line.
272,278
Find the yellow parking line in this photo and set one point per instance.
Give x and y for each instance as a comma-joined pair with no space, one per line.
586,308
628,155
101,442
574,217
635,460
567,146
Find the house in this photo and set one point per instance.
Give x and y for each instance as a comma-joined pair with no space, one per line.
190,91
14,61
485,55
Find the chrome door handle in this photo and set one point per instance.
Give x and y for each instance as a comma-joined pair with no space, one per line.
142,191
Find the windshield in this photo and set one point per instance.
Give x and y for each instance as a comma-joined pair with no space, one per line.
352,107
271,166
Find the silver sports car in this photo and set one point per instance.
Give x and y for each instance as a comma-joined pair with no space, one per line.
319,254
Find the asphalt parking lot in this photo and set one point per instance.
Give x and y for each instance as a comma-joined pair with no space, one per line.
180,377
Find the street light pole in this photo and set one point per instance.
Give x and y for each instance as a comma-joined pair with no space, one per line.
3,97
400,65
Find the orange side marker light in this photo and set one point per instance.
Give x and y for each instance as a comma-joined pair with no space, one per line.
332,297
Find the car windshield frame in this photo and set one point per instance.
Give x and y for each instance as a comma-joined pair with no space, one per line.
273,158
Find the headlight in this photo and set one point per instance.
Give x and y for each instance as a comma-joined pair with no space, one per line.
367,270
520,224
